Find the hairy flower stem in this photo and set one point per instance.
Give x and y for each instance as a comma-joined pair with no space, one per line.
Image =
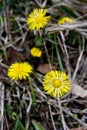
62,116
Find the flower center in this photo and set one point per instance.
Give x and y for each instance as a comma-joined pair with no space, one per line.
56,83
18,69
38,19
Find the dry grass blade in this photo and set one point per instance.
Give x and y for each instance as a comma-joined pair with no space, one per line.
1,105
79,27
77,66
54,103
28,110
77,5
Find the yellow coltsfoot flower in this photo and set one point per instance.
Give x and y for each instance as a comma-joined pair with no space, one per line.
19,71
56,83
35,52
37,19
66,20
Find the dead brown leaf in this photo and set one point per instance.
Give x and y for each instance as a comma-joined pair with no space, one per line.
79,91
14,56
45,68
79,128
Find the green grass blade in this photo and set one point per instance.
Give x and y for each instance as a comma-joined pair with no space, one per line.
37,125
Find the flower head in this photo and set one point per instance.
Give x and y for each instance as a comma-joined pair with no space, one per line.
66,20
35,52
37,19
19,71
56,83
